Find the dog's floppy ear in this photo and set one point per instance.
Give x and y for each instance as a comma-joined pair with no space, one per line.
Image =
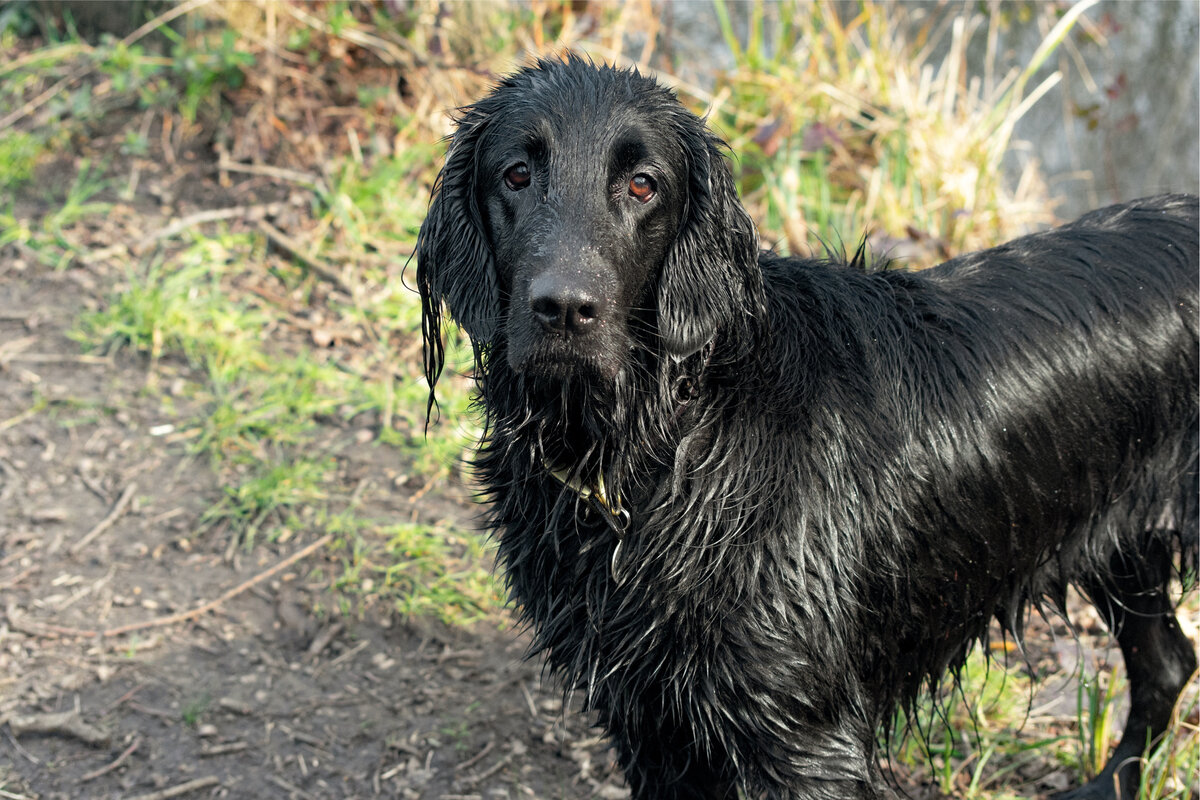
710,279
454,259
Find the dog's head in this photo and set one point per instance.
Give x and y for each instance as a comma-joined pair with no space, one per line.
583,214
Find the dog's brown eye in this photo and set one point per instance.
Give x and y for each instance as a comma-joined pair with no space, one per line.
517,176
641,187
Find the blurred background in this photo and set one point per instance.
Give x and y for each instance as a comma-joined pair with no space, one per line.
211,388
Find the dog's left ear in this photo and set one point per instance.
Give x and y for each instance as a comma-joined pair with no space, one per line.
710,280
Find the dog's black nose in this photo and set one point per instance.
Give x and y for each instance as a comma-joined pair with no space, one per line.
564,307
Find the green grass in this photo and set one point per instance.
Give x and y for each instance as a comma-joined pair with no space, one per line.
264,398
1098,728
845,126
1172,766
422,570
19,154
974,737
194,709
53,239
967,739
265,401
179,306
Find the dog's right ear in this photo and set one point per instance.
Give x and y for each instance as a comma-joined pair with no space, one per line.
454,259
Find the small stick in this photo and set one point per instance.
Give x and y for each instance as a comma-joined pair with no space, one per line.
57,358
471,780
163,19
107,768
45,629
152,712
323,638
10,483
21,750
295,248
349,654
235,591
529,701
15,579
12,422
473,760
181,789
209,215
44,97
31,628
127,696
106,523
224,749
94,487
68,723
290,175
287,787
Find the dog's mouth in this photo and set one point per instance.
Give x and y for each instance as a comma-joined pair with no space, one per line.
555,359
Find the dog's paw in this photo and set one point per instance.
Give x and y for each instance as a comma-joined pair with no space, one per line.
1100,788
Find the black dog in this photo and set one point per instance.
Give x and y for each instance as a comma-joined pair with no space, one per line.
749,504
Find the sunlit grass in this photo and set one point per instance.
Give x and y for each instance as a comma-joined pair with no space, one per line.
263,399
846,125
418,569
968,738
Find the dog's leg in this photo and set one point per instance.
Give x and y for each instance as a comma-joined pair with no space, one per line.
1159,660
665,767
692,786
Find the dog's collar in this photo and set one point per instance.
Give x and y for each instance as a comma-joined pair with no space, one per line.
609,506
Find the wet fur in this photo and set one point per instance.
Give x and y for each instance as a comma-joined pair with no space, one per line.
836,477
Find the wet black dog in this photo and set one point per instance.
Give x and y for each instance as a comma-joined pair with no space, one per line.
748,504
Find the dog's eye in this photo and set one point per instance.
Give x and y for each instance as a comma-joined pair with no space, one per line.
517,176
641,187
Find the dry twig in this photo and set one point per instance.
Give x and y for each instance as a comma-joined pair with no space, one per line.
117,510
255,212
212,605
224,749
180,789
473,760
322,639
19,623
296,249
28,413
59,358
107,768
68,723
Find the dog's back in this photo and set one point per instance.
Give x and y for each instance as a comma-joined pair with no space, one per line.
1030,424
1088,346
